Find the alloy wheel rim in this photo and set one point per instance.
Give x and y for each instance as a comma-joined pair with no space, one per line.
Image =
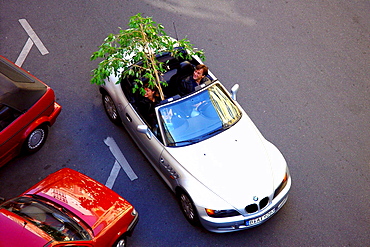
121,243
36,138
187,206
109,105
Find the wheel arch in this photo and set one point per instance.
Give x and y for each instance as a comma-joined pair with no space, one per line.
181,191
121,236
43,121
102,90
24,143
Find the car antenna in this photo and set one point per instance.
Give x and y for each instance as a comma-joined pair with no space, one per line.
174,27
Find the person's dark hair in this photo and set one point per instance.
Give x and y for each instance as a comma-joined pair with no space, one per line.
153,88
204,67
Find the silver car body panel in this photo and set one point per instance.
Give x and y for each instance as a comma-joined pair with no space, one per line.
227,171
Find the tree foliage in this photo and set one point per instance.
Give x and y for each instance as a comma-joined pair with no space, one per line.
132,52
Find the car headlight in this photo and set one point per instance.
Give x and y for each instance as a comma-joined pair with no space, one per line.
282,184
221,213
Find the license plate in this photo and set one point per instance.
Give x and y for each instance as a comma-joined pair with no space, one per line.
259,219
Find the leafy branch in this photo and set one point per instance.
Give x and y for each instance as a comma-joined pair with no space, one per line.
133,52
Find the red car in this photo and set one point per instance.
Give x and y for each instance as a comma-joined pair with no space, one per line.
27,109
67,209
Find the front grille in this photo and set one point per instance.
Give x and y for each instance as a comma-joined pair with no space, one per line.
264,202
252,208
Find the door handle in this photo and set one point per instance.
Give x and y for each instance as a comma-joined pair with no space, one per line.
128,118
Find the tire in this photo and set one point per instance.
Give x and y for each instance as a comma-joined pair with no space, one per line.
36,139
188,208
111,109
122,242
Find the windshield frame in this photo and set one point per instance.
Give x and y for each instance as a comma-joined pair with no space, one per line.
198,116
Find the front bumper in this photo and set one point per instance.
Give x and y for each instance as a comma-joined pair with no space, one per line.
238,223
131,227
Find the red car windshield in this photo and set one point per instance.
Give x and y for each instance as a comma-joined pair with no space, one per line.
51,220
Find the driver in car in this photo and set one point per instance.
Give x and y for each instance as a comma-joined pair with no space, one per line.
198,77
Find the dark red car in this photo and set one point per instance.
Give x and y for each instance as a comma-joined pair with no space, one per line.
67,208
27,109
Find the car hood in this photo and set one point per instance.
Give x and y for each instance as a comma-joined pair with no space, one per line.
95,204
234,164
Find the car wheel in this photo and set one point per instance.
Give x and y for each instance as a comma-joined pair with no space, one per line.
36,139
122,242
188,208
111,109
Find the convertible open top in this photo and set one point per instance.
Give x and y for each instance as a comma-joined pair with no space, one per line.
18,91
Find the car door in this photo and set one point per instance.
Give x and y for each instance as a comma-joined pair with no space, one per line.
11,135
147,142
152,147
144,138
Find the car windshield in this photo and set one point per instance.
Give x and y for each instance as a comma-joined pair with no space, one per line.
59,225
198,117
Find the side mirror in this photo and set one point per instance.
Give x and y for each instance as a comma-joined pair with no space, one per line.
144,130
2,199
234,91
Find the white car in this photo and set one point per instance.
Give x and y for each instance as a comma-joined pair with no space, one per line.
225,174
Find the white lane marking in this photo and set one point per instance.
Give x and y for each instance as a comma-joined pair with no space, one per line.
36,40
113,175
26,49
111,143
33,39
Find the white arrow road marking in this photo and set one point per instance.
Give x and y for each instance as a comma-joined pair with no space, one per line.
120,158
33,39
113,175
36,40
26,49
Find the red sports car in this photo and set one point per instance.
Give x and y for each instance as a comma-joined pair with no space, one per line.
67,209
27,109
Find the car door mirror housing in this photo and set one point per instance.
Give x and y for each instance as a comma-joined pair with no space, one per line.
144,130
234,91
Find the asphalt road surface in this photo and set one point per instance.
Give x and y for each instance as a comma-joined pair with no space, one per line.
303,68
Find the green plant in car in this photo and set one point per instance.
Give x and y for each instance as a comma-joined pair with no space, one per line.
134,51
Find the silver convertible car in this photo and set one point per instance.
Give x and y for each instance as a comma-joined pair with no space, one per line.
225,174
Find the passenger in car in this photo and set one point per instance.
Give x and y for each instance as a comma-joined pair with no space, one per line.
147,105
198,77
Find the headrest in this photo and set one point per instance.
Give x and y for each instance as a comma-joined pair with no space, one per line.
186,67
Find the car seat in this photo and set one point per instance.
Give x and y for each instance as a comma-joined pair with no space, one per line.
185,69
